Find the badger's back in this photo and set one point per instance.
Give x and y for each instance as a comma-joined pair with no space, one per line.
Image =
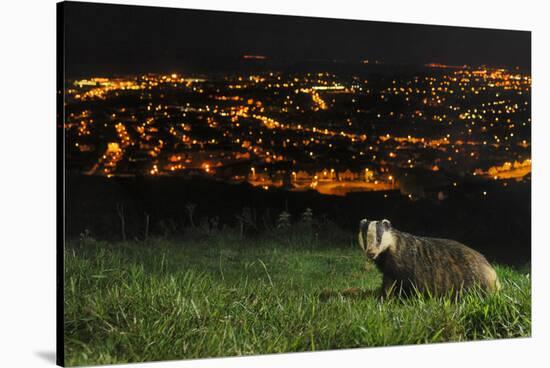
435,265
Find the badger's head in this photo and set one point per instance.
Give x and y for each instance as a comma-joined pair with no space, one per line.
375,237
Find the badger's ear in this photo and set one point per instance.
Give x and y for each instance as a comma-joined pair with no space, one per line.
386,224
363,225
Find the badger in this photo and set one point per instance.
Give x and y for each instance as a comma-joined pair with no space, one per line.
412,264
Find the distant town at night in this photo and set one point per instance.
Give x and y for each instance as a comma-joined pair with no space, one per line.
376,127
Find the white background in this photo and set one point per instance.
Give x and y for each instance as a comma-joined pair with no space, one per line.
27,181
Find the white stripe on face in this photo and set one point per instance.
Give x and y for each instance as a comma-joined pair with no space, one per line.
371,235
388,240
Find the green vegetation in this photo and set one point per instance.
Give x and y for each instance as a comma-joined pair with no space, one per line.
224,295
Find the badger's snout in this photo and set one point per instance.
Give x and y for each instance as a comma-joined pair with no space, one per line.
370,255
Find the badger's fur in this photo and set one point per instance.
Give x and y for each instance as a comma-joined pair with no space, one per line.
434,266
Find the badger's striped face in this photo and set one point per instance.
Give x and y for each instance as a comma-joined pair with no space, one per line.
374,237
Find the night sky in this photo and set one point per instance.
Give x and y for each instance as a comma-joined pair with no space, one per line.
114,39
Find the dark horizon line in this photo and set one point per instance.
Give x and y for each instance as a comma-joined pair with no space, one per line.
280,66
170,42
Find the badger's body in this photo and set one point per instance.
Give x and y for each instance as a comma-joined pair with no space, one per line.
428,265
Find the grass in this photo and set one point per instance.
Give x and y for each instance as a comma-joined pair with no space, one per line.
221,296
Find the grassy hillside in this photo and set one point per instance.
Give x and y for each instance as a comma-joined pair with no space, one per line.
223,296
